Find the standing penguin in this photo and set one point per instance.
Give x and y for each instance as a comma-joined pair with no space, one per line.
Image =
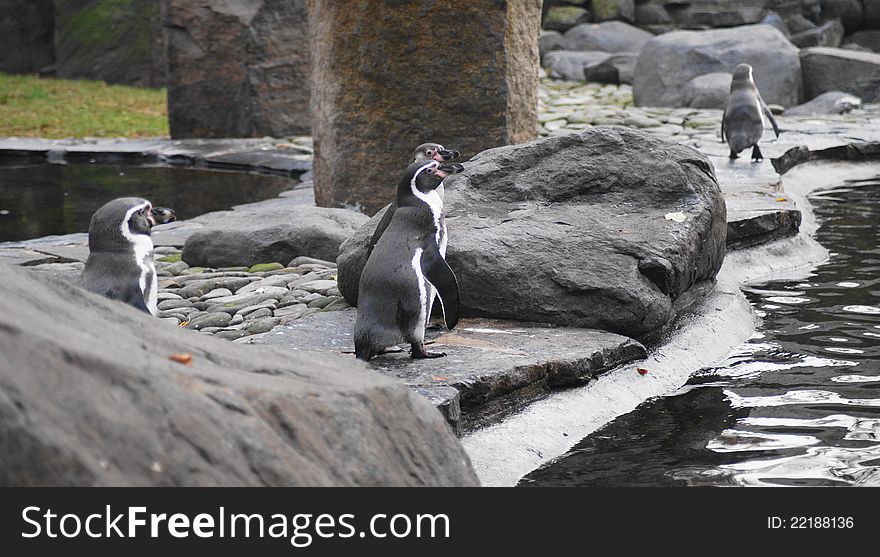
423,153
120,264
743,122
406,263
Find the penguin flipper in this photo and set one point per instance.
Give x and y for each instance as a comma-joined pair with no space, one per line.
383,224
770,117
134,296
437,271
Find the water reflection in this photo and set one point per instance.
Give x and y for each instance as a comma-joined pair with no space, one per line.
45,199
798,404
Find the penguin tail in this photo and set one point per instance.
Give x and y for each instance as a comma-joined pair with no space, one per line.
363,353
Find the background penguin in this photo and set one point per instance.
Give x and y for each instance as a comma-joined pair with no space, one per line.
743,122
423,153
393,293
120,264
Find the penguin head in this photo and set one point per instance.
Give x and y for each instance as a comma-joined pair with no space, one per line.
433,151
118,223
421,178
742,74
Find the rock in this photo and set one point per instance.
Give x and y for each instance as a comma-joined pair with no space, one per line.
248,238
303,260
211,319
265,304
162,296
669,61
488,98
871,13
869,39
849,12
231,334
265,267
294,311
651,14
549,41
571,230
494,365
336,303
837,69
217,293
317,286
231,304
262,325
832,102
563,18
174,304
259,313
708,91
696,14
565,64
605,10
238,69
26,35
177,267
773,19
117,41
84,415
799,24
201,288
827,34
609,36
320,303
276,280
616,69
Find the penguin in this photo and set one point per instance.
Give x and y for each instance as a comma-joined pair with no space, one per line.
422,154
120,264
743,122
393,294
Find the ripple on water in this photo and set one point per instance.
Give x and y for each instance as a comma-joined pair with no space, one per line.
807,396
733,440
864,310
788,300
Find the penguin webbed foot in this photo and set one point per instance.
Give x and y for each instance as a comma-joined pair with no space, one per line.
733,155
756,154
419,352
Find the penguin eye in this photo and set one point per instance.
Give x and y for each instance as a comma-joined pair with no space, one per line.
429,170
429,152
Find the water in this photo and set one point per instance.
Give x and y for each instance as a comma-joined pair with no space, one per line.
44,199
798,404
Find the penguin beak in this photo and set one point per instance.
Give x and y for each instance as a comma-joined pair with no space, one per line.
448,168
160,215
443,155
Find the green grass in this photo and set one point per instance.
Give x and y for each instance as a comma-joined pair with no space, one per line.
59,108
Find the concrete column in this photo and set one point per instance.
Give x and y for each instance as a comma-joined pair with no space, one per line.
391,74
238,68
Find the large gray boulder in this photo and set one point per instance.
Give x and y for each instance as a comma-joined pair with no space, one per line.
261,235
868,38
26,32
238,69
609,36
667,62
579,230
708,91
607,10
90,397
839,69
117,41
697,14
566,64
829,33
832,102
616,69
849,12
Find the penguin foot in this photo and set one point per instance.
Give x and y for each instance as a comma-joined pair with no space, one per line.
733,155
418,352
756,154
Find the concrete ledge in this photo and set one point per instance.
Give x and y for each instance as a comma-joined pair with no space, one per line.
492,367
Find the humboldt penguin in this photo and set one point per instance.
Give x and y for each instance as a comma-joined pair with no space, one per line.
120,264
405,267
743,122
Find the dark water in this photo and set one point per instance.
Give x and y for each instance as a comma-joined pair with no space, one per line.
43,199
798,404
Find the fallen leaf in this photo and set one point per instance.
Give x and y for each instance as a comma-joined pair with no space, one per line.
185,359
642,370
184,323
677,217
781,199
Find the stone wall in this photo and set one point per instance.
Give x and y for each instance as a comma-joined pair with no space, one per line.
238,69
391,75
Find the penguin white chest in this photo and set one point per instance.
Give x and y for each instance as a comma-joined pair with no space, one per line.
142,248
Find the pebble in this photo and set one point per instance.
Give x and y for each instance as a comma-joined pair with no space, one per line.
217,293
231,334
296,310
173,304
270,304
258,313
303,260
320,302
161,296
317,286
237,319
177,268
263,325
215,319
